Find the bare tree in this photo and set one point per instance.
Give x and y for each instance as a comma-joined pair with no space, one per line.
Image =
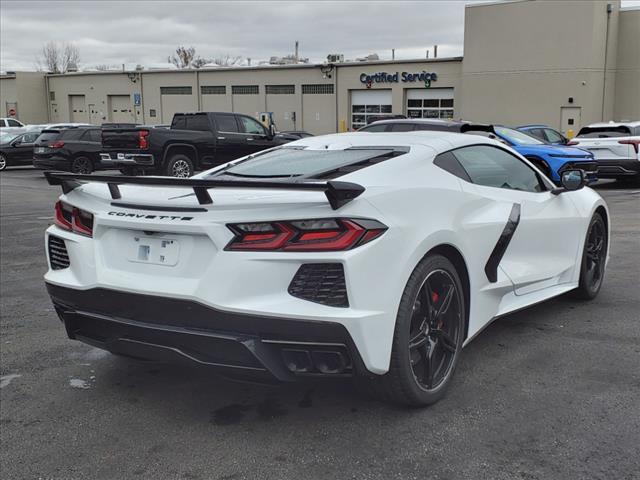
199,62
58,58
227,60
183,57
70,57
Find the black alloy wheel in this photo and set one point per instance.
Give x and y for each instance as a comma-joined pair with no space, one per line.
596,254
81,165
594,259
435,329
428,336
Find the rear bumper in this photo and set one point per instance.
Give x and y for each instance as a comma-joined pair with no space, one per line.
127,159
52,163
617,168
235,345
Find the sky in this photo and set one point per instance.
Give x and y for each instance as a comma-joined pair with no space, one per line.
147,31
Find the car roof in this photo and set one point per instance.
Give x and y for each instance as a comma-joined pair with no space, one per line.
419,120
535,125
437,140
635,123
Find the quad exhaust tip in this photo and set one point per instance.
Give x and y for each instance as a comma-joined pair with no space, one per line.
327,362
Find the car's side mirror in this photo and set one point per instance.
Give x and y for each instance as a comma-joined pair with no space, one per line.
271,132
571,180
16,143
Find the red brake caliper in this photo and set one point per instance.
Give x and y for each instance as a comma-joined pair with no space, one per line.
434,298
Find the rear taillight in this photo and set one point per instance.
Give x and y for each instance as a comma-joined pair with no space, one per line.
143,142
58,144
635,143
318,235
73,219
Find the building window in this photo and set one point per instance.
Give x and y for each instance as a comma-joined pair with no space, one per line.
213,90
361,115
244,89
280,89
175,90
430,108
318,89
152,112
52,96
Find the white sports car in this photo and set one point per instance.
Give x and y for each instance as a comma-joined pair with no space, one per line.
373,255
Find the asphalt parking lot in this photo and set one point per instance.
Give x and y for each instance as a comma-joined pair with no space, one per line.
552,392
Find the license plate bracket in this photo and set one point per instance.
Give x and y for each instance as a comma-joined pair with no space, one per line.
155,251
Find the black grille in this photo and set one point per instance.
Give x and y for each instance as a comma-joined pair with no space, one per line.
321,283
58,255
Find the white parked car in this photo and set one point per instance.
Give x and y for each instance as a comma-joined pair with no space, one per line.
376,255
615,146
11,123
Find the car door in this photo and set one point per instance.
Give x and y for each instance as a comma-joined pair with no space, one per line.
255,135
230,142
540,232
554,137
24,148
205,142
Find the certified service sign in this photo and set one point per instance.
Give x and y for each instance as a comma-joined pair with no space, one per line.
404,77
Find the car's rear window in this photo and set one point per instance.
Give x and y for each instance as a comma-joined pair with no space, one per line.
604,132
48,136
72,134
298,162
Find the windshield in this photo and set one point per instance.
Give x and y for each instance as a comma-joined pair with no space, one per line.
516,137
295,162
7,137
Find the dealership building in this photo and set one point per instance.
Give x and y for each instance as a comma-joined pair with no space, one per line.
562,63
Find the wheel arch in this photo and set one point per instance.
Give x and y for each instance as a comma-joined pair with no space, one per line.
181,148
454,255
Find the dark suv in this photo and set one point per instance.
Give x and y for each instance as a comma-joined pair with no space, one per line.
73,149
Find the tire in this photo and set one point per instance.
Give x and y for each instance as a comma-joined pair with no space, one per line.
82,165
407,381
3,162
179,165
594,257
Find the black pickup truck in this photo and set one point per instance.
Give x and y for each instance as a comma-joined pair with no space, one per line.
194,141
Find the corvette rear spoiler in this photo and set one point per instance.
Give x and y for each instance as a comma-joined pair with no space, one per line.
338,193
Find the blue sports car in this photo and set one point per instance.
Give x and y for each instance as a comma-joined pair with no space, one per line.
551,159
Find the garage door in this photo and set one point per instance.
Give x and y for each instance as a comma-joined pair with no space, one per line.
369,103
120,110
78,109
430,103
176,100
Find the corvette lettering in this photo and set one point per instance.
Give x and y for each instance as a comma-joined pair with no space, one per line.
150,217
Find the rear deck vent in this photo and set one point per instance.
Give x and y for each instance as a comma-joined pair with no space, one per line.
58,255
321,283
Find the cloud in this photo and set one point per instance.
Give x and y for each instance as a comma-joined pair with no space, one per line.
115,32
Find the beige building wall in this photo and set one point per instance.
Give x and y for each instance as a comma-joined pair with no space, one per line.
27,91
64,91
528,61
627,99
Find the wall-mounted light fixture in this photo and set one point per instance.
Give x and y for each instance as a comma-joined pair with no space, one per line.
326,70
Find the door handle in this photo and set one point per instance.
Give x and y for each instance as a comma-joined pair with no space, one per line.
222,138
250,139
